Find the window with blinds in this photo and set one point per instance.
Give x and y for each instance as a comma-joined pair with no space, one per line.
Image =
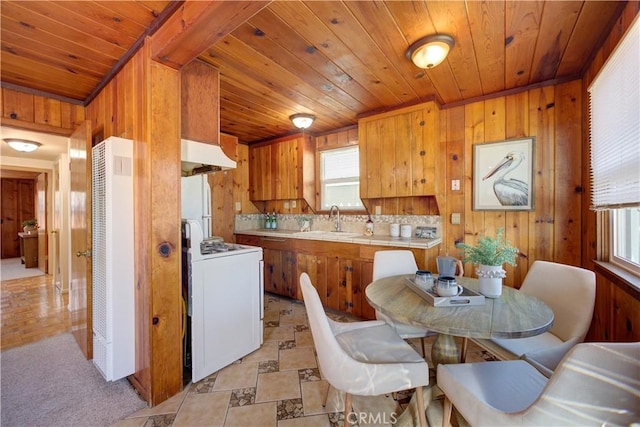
340,179
615,127
614,101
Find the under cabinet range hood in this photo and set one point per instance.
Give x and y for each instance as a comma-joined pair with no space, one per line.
198,157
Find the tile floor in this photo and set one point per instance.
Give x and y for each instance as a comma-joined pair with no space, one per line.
277,385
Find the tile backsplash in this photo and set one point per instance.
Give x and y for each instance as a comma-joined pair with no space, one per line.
349,223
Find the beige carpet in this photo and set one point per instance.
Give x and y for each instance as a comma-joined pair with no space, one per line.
12,268
50,383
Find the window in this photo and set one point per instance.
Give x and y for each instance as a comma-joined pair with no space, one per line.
340,179
615,148
625,241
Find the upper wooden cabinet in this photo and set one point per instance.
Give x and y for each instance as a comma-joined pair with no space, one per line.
283,169
398,152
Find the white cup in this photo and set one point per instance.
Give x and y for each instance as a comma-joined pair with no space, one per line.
405,231
394,230
424,279
447,287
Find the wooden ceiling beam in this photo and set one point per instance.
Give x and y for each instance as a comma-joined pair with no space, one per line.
197,25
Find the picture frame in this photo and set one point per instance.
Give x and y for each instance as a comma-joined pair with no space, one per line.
503,175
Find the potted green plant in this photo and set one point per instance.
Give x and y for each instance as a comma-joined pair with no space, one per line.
490,254
30,225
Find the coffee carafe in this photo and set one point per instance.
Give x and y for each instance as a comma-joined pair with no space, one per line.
447,266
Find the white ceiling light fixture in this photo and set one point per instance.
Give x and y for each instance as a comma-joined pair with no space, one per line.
22,145
302,120
430,51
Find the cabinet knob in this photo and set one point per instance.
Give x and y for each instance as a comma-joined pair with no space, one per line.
422,181
423,153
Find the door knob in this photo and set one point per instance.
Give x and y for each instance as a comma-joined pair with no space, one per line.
86,253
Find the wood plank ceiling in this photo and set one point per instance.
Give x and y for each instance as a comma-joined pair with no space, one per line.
339,60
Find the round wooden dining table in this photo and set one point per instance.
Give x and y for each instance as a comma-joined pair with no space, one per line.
512,315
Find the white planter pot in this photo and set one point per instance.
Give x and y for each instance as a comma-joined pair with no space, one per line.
490,280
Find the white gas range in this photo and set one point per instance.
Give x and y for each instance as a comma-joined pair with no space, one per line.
223,288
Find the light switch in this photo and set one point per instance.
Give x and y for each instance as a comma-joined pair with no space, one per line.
293,203
378,210
286,205
238,206
455,218
455,184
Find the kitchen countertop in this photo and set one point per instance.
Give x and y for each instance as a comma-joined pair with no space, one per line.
346,237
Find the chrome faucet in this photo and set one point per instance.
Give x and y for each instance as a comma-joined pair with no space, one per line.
331,216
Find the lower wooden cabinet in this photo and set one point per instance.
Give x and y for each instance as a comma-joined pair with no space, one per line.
339,271
279,272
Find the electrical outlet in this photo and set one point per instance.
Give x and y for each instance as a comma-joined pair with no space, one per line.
455,184
286,205
293,203
238,206
455,218
378,210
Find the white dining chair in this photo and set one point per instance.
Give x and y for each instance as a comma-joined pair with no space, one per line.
363,358
392,263
570,292
595,384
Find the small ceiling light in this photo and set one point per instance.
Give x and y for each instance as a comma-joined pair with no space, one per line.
430,51
22,145
302,120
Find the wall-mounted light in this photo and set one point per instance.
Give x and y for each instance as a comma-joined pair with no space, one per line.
430,51
22,145
302,120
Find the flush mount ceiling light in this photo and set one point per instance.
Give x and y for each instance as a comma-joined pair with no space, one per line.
22,145
430,51
302,120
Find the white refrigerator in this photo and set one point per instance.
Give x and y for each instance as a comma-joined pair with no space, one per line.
196,201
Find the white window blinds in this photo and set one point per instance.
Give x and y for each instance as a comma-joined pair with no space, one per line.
615,127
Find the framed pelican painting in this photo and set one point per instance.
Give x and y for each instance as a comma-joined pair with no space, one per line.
503,175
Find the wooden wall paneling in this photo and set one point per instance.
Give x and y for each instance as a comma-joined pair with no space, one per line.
473,134
99,111
47,111
541,223
600,324
625,315
163,178
455,200
517,222
18,105
568,173
494,130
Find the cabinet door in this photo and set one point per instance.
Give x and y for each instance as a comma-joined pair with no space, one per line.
397,153
279,272
261,175
287,169
272,263
316,267
345,291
